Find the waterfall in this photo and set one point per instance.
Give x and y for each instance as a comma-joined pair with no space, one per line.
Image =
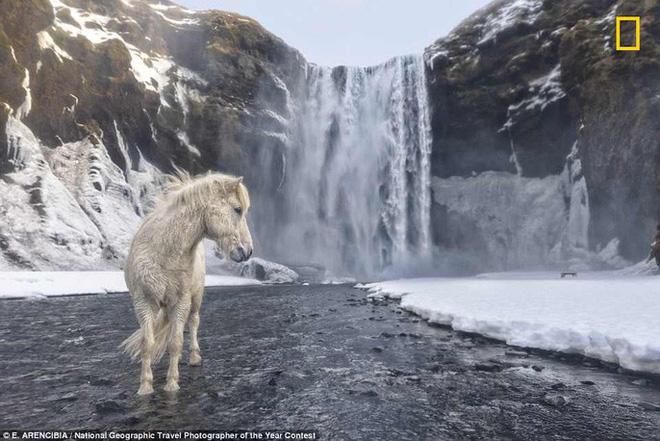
357,184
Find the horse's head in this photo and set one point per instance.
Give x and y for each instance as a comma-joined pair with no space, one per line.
226,218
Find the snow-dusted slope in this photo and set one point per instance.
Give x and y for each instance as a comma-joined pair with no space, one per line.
98,100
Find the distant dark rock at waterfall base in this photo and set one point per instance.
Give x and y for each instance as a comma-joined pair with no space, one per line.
543,153
262,270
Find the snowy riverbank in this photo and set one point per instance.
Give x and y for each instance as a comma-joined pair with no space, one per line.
612,319
20,284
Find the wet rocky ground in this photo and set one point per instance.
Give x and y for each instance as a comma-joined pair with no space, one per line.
319,358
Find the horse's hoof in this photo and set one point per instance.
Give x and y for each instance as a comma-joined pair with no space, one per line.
145,390
171,387
195,360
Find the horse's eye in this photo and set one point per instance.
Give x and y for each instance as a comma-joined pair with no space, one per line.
238,210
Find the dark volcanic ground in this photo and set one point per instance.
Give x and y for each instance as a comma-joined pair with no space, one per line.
309,357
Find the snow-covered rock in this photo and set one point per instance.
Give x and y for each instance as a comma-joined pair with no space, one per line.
272,272
69,207
255,268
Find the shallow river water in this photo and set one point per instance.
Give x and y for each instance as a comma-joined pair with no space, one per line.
319,358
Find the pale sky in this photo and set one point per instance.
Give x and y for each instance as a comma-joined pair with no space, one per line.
351,32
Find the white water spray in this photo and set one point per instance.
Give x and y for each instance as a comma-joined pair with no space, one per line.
357,187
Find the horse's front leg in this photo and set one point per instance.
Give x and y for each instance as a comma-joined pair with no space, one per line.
193,323
178,318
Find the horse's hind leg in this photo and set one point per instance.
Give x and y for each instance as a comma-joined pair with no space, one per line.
148,343
178,317
193,324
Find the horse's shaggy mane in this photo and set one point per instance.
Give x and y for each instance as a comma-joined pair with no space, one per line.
184,190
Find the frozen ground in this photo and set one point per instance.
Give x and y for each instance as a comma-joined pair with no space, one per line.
20,284
615,319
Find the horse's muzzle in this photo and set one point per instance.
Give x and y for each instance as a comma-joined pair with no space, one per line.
240,254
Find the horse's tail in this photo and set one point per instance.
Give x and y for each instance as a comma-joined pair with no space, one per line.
163,333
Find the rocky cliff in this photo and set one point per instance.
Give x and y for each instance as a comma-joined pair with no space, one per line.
99,98
535,89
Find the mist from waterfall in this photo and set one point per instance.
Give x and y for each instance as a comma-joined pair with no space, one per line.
357,180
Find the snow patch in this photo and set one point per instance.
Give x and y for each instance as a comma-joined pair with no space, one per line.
175,22
516,11
543,91
149,70
434,52
13,54
183,138
162,7
612,319
22,284
46,42
24,109
607,23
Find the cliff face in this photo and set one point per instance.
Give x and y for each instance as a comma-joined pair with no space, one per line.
99,98
523,85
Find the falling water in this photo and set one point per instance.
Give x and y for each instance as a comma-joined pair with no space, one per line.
358,170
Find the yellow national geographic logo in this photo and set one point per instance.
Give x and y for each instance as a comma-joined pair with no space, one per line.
638,26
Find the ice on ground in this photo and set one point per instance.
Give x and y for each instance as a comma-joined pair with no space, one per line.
26,284
613,319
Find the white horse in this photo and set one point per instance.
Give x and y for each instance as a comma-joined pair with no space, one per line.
165,267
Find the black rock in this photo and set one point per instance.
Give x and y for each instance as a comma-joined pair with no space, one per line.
369,393
100,382
108,406
131,420
558,386
488,367
213,394
555,400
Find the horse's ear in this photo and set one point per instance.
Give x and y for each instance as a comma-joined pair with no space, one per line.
238,181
